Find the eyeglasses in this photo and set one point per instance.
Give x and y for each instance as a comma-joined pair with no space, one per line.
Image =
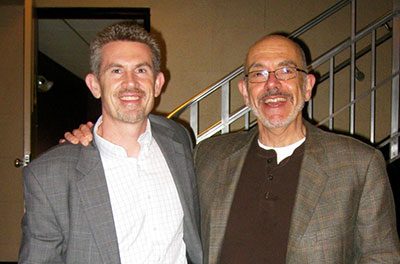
282,74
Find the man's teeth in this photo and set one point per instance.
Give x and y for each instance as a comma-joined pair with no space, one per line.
275,100
130,98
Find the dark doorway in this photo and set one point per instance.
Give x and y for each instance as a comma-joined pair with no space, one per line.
64,106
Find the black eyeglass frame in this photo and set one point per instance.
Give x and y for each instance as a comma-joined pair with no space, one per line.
266,73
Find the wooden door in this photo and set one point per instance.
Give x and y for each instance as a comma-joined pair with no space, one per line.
15,114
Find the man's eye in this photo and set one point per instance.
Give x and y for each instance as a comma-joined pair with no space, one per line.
141,70
286,70
116,71
257,74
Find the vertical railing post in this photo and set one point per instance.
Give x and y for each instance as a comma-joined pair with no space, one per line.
331,90
310,108
394,144
247,121
373,84
225,103
353,66
194,119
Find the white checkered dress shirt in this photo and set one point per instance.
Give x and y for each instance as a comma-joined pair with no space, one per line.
145,204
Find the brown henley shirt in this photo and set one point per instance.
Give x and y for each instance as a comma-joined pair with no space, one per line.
259,220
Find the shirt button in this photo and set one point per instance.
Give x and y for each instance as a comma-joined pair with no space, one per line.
270,160
270,177
267,196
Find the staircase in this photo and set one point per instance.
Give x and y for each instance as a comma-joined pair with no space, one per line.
330,67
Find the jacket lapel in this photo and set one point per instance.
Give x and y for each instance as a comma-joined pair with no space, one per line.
312,182
229,172
93,191
182,171
174,155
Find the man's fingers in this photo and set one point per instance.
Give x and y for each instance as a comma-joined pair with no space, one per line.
82,135
85,131
71,138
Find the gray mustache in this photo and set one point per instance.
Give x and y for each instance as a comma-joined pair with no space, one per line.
275,92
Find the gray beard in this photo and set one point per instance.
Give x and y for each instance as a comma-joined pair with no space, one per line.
280,123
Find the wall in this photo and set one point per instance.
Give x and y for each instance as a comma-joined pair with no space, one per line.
11,135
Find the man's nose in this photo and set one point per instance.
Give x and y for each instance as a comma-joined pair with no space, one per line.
130,79
272,82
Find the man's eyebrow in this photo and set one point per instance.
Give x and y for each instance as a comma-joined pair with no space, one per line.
119,65
280,64
287,63
111,65
144,64
256,65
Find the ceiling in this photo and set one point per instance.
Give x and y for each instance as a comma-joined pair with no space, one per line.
66,41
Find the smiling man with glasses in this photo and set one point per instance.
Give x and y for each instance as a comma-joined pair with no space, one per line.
287,192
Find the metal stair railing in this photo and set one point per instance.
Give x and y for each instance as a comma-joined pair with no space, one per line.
222,126
330,55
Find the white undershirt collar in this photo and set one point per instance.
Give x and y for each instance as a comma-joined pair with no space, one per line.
283,152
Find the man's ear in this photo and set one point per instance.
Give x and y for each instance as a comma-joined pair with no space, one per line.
310,82
158,84
93,84
242,85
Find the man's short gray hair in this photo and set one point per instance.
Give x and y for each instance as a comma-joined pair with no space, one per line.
123,31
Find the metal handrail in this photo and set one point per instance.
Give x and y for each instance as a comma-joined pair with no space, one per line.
318,19
207,91
347,43
359,54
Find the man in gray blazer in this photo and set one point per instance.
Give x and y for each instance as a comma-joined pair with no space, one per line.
286,191
130,197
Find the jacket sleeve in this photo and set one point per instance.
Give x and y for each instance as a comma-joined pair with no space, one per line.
42,238
376,234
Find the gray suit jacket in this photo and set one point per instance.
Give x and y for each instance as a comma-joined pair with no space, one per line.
343,212
68,216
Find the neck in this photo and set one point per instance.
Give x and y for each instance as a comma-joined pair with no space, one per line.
123,134
282,136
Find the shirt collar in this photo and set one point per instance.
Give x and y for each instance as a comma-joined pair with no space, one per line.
283,152
113,151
